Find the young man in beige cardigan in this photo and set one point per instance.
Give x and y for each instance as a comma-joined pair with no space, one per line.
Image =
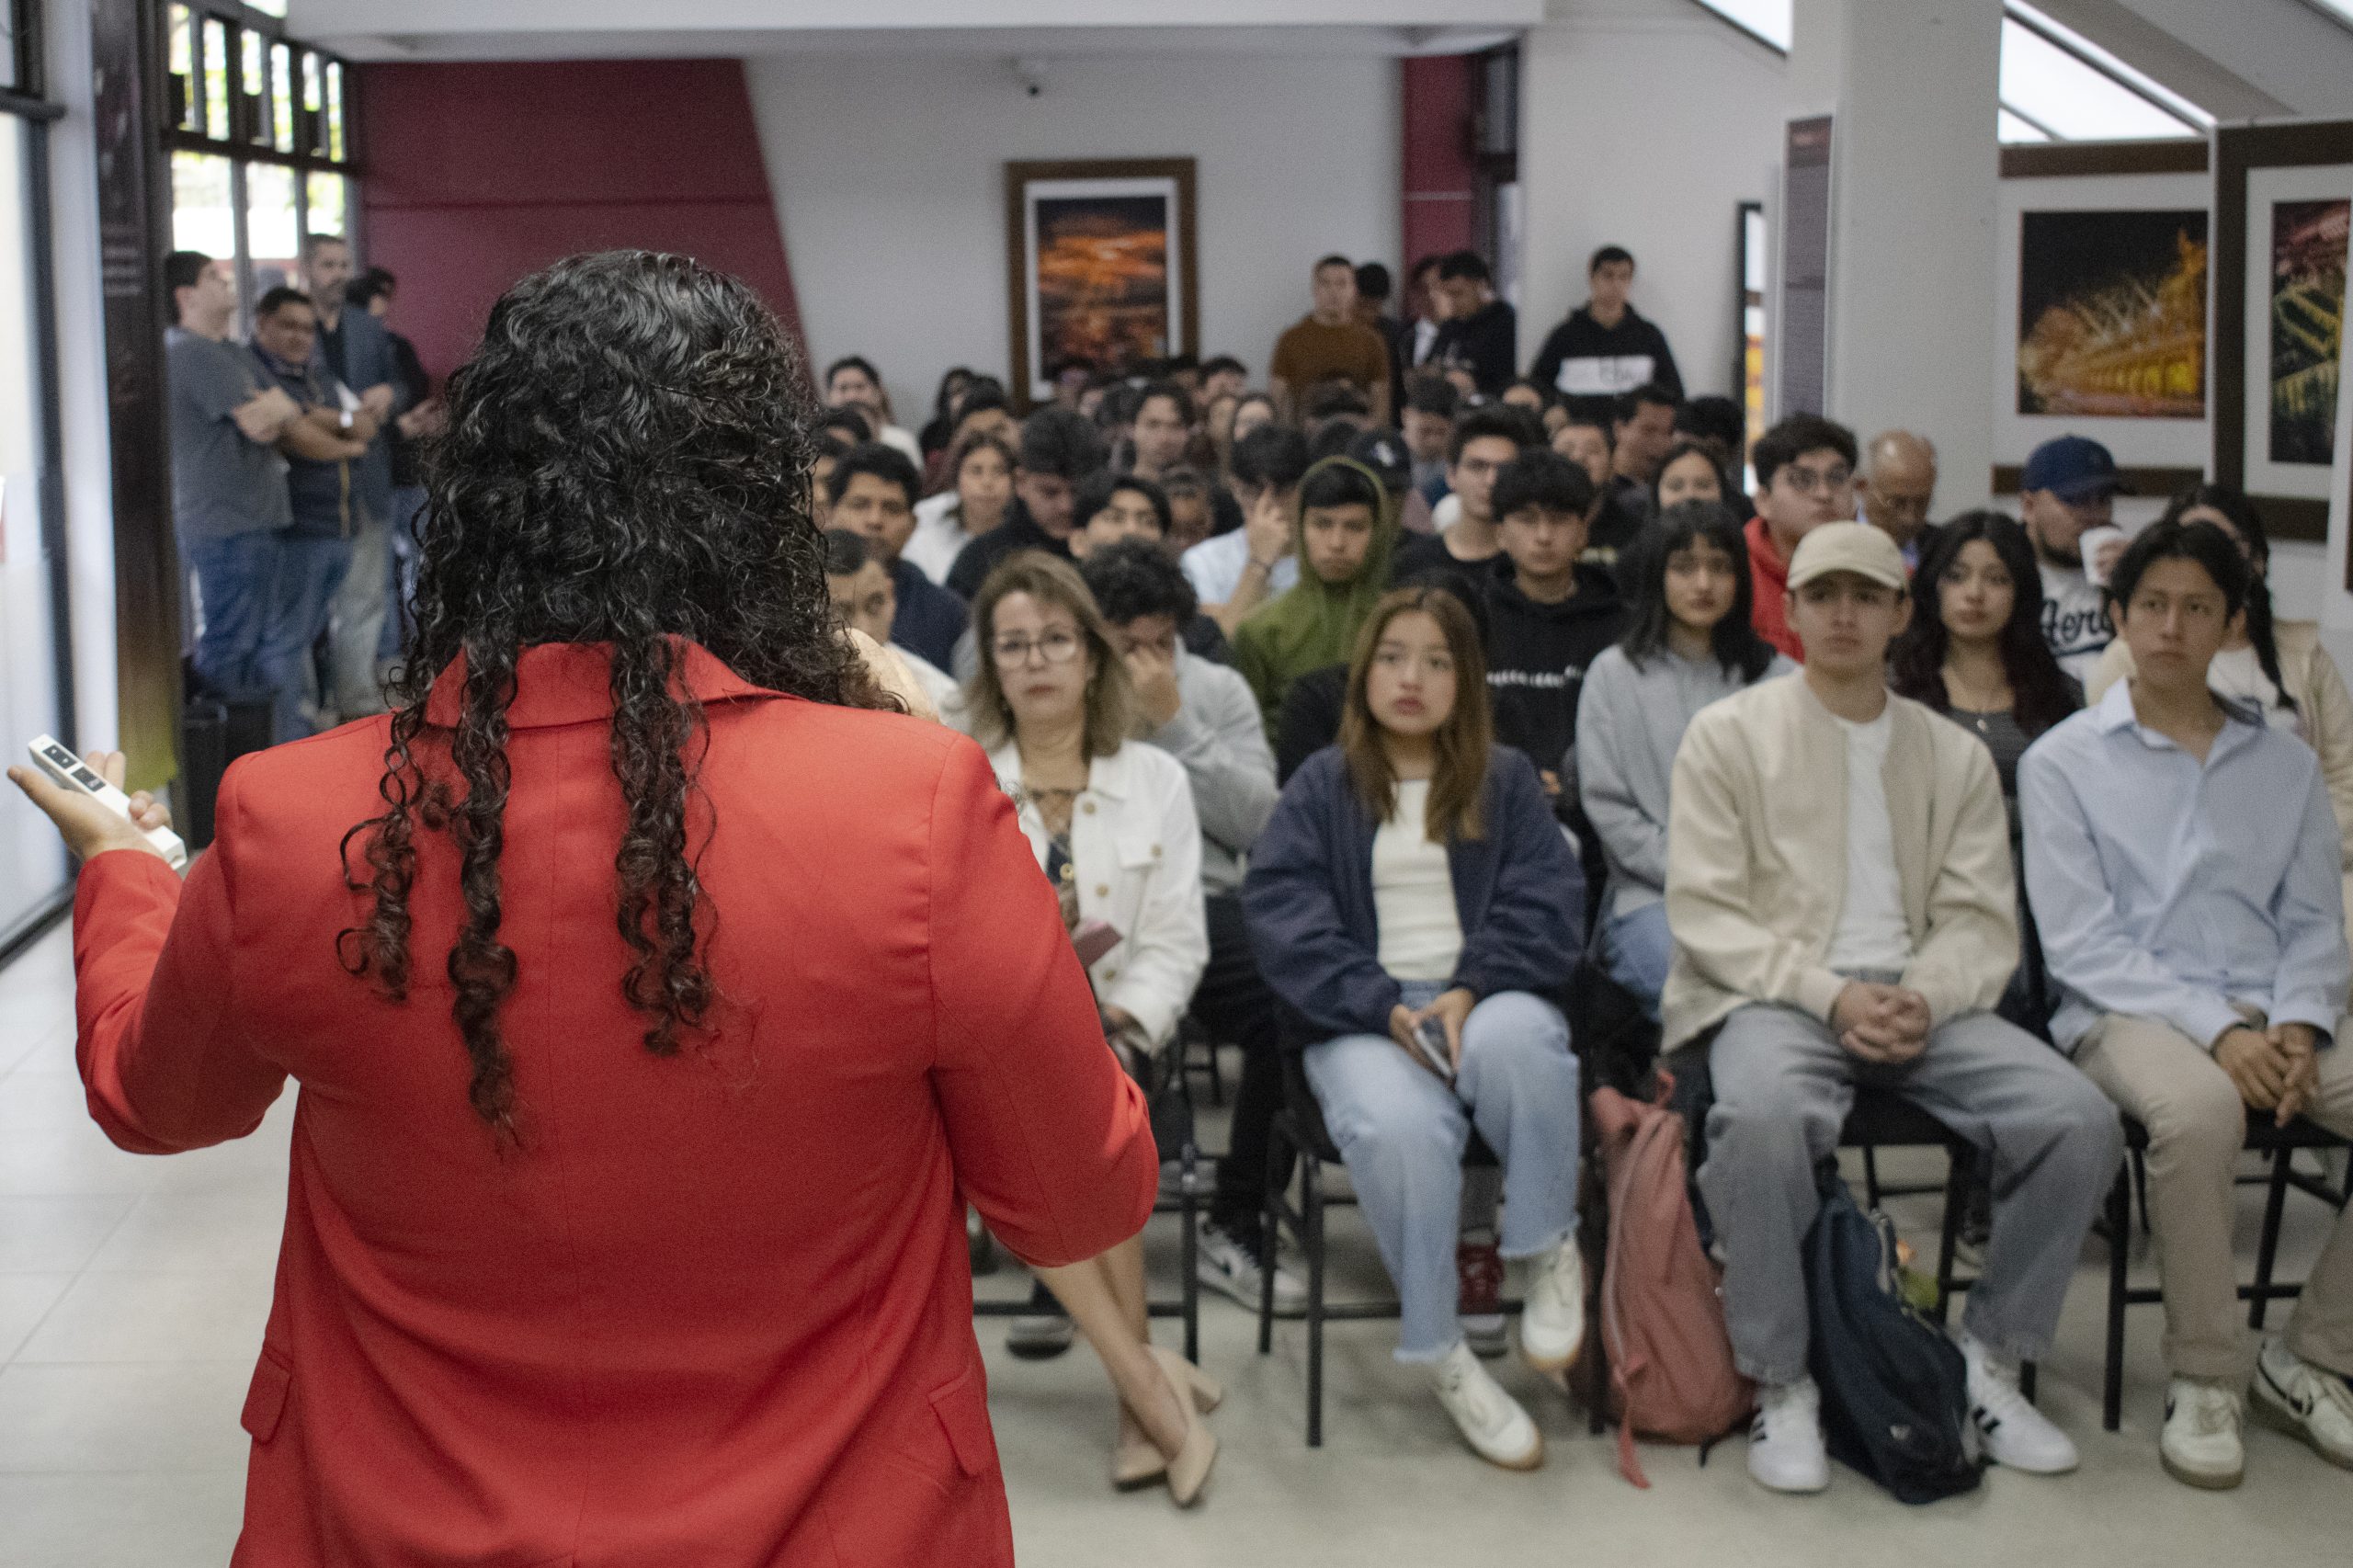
1840,892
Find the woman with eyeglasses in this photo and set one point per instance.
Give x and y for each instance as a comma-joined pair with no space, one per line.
1112,822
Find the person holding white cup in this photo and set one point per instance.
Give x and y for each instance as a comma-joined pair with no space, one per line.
2066,499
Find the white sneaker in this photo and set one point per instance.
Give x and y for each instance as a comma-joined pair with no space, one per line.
1551,1325
2015,1434
1230,1266
2200,1444
2305,1402
1785,1448
1491,1421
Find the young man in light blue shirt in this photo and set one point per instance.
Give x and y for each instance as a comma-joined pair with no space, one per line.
2182,862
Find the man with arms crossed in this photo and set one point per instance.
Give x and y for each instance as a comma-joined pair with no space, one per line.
1839,888
2182,861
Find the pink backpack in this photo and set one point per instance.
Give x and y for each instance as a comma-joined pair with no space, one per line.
1671,1373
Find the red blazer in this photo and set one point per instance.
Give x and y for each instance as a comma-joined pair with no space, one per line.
717,1309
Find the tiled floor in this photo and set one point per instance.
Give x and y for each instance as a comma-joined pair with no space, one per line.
132,1292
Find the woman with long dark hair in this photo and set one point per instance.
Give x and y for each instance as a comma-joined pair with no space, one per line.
1414,905
655,1009
1974,650
1688,644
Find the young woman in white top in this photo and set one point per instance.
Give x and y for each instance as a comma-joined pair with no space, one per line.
1113,824
1688,644
853,381
979,493
1414,905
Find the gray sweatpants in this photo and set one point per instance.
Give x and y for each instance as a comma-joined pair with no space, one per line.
1783,1086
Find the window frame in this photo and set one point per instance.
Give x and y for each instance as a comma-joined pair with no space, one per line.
27,101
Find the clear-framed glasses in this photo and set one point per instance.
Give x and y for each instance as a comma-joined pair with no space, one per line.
1813,482
1054,647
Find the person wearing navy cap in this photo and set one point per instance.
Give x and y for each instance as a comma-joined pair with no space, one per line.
2069,487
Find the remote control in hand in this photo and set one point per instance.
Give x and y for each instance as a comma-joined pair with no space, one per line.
70,772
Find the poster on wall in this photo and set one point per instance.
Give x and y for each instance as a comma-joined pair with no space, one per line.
1102,261
2102,284
2283,206
2113,313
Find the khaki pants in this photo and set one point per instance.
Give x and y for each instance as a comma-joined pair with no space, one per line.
2197,1126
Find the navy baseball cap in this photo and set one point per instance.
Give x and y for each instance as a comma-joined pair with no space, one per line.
1385,454
2074,468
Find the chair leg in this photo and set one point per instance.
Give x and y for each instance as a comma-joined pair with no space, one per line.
1272,1221
1870,1176
2266,1251
2141,1190
1962,1161
2120,1249
1190,1221
1311,1212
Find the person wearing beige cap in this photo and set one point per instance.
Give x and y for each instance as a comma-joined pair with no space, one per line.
1840,892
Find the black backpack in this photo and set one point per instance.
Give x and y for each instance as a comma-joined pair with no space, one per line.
1895,1389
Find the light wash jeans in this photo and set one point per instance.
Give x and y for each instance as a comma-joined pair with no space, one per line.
1403,1133
310,568
1636,947
236,581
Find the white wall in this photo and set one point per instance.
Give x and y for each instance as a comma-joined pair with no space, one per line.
889,181
1646,123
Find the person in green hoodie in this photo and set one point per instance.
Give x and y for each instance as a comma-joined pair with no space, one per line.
1345,533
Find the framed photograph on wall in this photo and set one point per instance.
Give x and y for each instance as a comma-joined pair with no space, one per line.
1102,262
2283,204
2102,293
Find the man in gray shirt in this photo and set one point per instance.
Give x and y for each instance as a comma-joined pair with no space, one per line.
229,502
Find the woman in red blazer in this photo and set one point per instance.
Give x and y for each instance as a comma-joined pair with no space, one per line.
655,1010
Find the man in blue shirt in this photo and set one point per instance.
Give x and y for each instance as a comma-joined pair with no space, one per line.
2182,862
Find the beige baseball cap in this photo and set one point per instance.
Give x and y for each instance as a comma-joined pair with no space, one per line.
1860,547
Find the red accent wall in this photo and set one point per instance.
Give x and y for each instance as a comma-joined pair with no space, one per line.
479,174
1439,178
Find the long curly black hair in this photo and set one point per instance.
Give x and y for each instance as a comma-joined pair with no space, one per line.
627,463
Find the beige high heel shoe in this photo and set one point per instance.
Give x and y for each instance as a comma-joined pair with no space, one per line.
1188,1471
1135,1461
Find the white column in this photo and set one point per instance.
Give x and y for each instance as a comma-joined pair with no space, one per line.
1911,84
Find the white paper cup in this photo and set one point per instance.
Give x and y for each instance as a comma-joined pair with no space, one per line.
2096,544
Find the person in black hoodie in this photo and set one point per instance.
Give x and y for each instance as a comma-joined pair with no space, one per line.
1604,347
1479,346
1550,617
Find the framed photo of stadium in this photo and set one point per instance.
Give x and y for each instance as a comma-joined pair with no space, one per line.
1101,260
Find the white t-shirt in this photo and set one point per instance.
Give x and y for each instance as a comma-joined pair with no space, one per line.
2238,674
939,538
1871,933
1413,893
1215,566
2074,621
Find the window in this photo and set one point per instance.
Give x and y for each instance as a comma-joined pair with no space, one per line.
257,125
36,677
2056,84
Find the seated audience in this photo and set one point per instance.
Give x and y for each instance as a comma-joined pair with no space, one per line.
1334,415
1159,430
1059,450
1222,376
1604,347
1525,394
1485,439
1383,451
1641,431
1690,472
940,430
1346,531
2183,864
1688,643
1113,507
1584,440
977,501
865,599
1805,477
840,431
1053,705
1839,888
1897,489
872,491
1203,715
1478,344
1413,876
1253,411
2069,485
2277,668
1196,509
1427,426
1549,618
1235,572
853,383
1329,342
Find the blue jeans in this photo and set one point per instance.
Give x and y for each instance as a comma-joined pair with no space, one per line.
236,580
311,567
1636,949
1403,1133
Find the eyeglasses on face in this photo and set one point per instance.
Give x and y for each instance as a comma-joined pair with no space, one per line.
1054,647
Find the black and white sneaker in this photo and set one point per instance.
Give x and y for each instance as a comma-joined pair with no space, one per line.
1232,1261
